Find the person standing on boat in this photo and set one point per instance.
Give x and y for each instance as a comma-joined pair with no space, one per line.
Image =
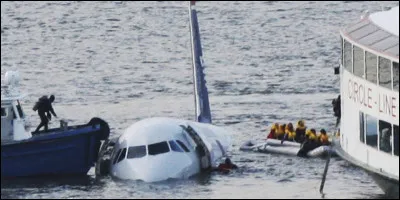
337,109
44,106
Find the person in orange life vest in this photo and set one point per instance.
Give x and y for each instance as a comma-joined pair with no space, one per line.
226,166
290,134
280,133
273,130
323,137
300,132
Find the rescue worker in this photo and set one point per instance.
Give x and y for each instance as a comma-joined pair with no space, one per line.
44,106
300,132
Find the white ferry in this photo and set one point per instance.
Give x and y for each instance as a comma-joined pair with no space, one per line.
369,97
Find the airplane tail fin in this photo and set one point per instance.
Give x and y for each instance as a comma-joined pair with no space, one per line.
203,113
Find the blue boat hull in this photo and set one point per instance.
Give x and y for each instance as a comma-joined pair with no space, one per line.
57,152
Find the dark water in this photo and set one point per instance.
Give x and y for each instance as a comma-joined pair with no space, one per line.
125,61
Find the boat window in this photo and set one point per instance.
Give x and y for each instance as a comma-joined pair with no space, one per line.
3,112
358,60
385,78
372,130
136,152
385,136
182,145
174,146
396,76
158,148
396,139
371,67
116,156
122,155
362,125
347,56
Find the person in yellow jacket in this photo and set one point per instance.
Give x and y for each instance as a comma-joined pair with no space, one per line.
323,137
290,134
300,131
280,133
309,144
312,135
272,132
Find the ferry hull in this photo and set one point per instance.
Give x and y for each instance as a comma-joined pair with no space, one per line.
57,152
389,185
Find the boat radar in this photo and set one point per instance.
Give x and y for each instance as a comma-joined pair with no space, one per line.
160,148
10,100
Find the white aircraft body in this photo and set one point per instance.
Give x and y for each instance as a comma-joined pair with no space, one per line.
157,149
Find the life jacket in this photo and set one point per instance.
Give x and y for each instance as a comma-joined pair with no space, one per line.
280,131
311,136
291,135
272,133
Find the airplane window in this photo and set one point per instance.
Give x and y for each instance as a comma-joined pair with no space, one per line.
175,146
158,148
136,152
116,156
182,145
122,155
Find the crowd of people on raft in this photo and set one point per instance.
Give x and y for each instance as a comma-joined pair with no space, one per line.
300,134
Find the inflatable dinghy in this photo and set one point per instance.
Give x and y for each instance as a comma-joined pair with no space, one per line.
286,148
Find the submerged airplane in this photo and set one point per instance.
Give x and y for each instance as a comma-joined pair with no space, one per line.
157,149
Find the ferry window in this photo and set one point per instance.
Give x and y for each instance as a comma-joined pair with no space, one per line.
372,134
347,53
174,146
116,156
396,139
371,67
362,136
158,148
136,152
182,145
385,73
3,112
121,155
385,135
396,76
358,60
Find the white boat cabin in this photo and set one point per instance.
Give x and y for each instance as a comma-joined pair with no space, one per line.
13,124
